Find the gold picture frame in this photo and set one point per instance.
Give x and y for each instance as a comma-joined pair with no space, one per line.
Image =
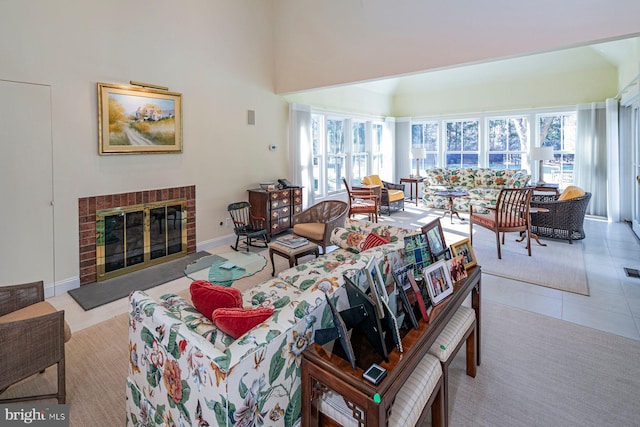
464,248
134,120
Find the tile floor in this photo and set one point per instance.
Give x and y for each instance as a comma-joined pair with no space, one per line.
613,306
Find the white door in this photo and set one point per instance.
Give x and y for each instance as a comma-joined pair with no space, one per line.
26,184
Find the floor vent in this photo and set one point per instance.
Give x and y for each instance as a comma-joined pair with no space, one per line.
632,272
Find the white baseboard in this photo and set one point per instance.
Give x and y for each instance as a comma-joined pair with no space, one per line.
229,239
61,286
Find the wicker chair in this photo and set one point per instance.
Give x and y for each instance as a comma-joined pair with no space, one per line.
317,222
392,195
33,334
564,220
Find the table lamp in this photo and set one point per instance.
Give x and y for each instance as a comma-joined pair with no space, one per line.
540,154
417,154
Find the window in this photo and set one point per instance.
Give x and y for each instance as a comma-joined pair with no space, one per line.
377,160
349,147
359,154
425,135
461,144
335,155
558,131
508,142
316,151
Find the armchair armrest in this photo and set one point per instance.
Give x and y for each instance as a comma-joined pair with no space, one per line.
15,297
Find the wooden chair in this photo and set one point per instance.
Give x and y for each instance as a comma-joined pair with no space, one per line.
363,200
247,226
511,214
318,221
32,333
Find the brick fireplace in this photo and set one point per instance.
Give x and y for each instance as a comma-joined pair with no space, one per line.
89,206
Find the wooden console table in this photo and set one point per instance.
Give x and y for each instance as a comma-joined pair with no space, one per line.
372,405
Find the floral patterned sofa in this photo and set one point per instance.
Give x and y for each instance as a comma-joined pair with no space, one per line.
184,371
482,184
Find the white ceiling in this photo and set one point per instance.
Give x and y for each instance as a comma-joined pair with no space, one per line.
602,55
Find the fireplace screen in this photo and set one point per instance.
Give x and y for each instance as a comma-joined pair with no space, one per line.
135,237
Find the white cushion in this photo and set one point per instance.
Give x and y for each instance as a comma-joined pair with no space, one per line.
409,402
453,333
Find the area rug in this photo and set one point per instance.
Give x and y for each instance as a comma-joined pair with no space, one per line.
559,265
99,293
535,371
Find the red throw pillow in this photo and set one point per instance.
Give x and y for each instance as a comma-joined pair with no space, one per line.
372,241
236,321
206,297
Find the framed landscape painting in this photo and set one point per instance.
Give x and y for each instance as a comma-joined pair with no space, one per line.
135,120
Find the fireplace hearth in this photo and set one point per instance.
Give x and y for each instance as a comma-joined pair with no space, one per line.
121,233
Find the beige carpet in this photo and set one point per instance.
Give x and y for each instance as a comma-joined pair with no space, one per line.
558,265
535,371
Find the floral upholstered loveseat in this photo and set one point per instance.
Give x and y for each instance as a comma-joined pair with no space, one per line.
184,371
482,184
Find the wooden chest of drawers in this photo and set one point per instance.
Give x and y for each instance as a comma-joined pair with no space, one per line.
278,207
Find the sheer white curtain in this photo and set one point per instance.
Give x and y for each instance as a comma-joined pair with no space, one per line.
590,166
626,156
300,151
613,160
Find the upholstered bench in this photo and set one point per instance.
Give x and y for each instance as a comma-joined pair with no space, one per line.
461,328
422,390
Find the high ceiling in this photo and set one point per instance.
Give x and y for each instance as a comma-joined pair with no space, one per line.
602,55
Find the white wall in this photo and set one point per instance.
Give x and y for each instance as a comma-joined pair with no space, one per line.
217,53
331,42
544,91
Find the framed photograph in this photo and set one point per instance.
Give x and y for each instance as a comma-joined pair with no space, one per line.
404,288
376,285
463,247
422,296
417,252
438,281
135,120
435,240
456,269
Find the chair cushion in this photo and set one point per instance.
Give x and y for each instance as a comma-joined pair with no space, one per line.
571,192
310,230
35,310
488,220
372,180
237,321
395,195
207,297
453,333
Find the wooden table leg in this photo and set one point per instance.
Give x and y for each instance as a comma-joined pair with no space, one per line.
273,266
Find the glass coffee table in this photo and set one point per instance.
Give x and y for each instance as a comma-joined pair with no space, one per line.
224,268
451,194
